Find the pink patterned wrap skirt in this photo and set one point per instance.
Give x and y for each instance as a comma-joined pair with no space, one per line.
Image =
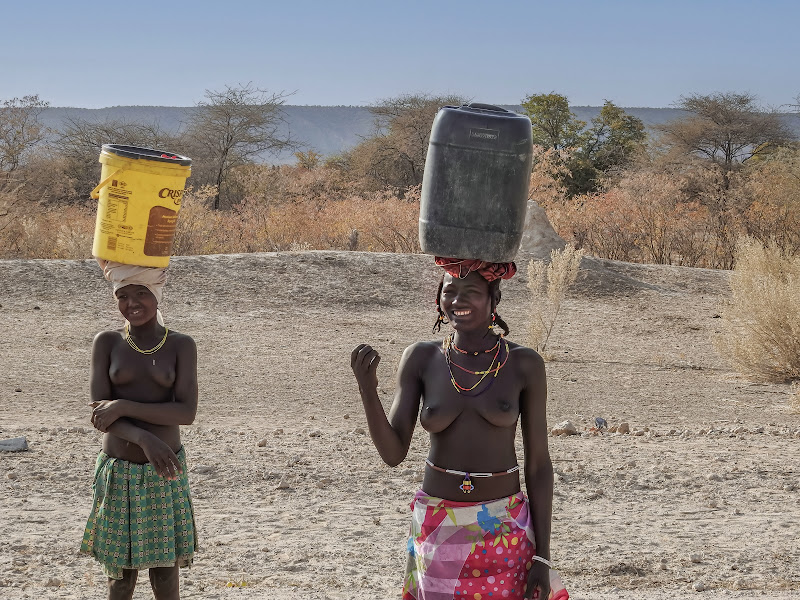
471,550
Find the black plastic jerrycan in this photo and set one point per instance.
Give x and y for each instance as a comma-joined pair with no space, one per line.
475,184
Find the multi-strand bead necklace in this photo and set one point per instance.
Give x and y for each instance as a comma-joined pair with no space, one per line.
449,344
152,350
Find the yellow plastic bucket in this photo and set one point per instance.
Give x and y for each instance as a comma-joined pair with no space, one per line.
139,196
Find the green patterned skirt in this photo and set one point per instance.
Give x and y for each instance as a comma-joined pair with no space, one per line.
139,520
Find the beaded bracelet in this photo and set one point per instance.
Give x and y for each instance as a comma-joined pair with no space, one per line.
542,560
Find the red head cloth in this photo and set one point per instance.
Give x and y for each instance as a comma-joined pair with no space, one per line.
461,267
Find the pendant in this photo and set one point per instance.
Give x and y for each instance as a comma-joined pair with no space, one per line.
466,485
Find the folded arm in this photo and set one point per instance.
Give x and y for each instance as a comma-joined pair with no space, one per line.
158,453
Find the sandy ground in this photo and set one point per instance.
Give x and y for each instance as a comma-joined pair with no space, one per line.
291,498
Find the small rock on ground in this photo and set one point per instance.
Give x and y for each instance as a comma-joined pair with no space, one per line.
18,444
564,428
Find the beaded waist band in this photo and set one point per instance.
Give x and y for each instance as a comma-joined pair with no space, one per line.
466,485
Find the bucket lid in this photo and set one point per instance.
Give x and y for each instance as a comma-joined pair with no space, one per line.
147,154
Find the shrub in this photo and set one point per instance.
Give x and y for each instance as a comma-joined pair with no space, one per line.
282,208
382,223
774,213
761,322
36,231
278,216
647,216
548,284
686,213
198,224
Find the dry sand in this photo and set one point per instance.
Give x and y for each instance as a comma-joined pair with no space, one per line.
291,498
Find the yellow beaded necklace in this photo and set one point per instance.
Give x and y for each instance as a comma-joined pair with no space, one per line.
152,350
449,343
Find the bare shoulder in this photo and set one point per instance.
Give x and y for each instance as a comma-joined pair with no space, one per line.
106,339
530,361
181,337
418,354
184,343
422,349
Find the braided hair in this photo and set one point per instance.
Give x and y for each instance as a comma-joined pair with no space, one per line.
441,318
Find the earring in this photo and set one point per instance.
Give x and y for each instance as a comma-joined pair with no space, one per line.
439,312
439,320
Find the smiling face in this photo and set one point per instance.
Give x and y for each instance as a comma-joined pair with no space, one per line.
137,304
466,302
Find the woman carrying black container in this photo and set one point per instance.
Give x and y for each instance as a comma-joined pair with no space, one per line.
474,534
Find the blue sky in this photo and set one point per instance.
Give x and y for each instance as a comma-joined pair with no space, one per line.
643,53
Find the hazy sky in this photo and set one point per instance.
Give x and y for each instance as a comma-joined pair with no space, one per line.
635,53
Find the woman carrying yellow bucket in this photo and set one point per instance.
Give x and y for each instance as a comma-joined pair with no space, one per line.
143,383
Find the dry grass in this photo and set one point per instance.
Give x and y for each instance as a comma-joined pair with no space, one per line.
548,284
761,322
64,232
380,222
665,212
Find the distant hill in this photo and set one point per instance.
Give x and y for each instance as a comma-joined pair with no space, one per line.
324,129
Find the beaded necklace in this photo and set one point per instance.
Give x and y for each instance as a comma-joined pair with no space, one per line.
152,350
448,343
492,349
488,371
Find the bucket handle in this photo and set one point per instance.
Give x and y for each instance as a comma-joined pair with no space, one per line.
95,193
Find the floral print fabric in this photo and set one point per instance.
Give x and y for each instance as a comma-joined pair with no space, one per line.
473,550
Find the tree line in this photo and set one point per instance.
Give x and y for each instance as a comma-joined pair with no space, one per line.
680,193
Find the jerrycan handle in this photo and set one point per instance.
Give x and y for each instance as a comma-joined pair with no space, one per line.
95,193
482,106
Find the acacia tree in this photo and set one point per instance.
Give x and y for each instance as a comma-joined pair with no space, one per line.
721,132
20,129
78,142
233,127
726,128
394,156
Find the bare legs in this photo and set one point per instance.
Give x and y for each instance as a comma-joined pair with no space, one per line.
164,581
122,589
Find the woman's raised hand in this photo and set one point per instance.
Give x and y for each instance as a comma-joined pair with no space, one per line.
364,361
